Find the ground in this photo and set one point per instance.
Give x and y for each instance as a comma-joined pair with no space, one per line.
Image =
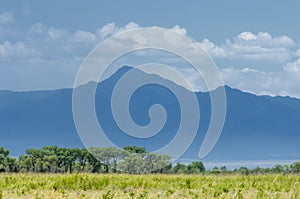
148,186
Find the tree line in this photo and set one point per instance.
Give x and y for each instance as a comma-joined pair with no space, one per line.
132,159
53,159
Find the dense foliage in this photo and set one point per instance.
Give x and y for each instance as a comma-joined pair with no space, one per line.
133,159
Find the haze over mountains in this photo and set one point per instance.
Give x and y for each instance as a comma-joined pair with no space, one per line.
256,127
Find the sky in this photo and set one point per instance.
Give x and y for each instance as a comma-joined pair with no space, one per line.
255,44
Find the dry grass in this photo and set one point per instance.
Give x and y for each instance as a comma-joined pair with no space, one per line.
148,186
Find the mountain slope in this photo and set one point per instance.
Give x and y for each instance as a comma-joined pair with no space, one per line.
256,127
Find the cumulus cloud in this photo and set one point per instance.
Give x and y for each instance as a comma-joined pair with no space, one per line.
55,50
179,29
264,39
250,80
15,50
7,18
52,43
61,51
108,29
247,36
56,34
245,46
111,29
130,26
249,46
213,49
84,36
297,53
262,47
283,83
293,67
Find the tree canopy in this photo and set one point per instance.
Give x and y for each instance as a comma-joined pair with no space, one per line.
130,159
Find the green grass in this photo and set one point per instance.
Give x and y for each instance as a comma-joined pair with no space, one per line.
148,186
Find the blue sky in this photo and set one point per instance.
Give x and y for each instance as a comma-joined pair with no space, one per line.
254,43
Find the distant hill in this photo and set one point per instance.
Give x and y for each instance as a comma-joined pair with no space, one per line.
256,127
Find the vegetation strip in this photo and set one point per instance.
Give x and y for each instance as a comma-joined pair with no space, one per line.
148,186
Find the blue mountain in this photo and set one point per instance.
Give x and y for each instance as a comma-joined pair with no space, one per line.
256,127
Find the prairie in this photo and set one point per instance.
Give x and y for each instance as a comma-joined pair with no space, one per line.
106,186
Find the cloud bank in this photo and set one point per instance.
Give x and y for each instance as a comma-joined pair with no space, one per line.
49,57
249,46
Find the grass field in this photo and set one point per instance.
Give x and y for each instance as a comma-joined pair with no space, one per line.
148,186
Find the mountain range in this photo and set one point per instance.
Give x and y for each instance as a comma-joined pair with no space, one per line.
256,127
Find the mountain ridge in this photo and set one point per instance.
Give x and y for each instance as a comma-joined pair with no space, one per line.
124,69
253,126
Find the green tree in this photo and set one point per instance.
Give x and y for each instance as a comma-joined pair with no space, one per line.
215,170
258,170
93,164
83,157
62,161
116,155
223,169
109,157
132,163
3,155
102,155
179,168
71,156
295,167
286,168
277,168
33,155
25,163
134,149
156,163
244,170
10,164
196,167
49,158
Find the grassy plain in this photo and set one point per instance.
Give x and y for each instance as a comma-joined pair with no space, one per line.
148,186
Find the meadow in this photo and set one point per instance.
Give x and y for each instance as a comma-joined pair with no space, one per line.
107,186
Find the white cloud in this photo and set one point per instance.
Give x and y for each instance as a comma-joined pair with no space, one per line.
256,47
54,43
283,83
57,34
39,28
264,40
179,29
108,29
55,50
297,53
84,36
248,79
15,50
213,50
293,67
130,26
7,18
247,36
61,51
111,29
